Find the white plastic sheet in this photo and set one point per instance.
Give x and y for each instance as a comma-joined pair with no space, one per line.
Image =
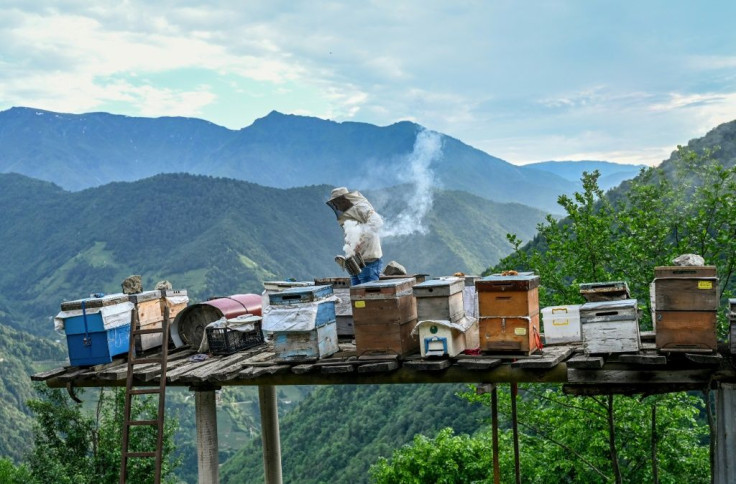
462,324
112,316
293,317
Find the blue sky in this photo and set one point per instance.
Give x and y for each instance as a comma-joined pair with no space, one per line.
623,81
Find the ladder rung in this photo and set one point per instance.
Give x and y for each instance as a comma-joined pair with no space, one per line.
140,454
145,391
148,331
143,422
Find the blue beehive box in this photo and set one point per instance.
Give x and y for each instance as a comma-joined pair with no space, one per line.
303,323
97,328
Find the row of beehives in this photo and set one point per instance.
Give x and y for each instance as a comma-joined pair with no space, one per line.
98,328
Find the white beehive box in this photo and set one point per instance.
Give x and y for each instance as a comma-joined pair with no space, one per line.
561,324
445,338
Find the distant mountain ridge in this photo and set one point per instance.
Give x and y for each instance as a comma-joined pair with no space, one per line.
612,174
78,151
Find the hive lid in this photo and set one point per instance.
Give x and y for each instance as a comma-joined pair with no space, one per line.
95,302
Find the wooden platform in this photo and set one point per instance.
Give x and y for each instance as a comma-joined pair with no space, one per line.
647,371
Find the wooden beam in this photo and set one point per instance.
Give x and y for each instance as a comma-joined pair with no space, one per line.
207,451
725,471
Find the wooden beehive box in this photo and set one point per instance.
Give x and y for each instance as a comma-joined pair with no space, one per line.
610,326
343,307
516,295
150,308
384,315
440,299
519,334
303,323
691,331
604,291
681,293
684,272
443,338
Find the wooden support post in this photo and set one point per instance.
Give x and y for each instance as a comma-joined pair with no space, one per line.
494,425
725,471
270,434
515,429
207,451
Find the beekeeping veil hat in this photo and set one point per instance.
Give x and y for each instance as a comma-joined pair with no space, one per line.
338,201
341,201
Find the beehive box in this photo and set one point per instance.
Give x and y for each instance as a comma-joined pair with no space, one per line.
320,342
97,329
691,331
686,294
343,307
684,272
440,299
303,323
508,295
384,315
604,291
518,334
561,324
150,308
442,338
610,326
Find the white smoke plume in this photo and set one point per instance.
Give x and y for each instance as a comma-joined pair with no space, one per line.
420,177
353,230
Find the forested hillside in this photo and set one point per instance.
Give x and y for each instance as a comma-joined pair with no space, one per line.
339,431
211,236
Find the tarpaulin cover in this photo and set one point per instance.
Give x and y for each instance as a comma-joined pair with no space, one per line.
462,324
294,317
112,316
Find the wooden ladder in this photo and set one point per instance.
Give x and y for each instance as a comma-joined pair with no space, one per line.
130,392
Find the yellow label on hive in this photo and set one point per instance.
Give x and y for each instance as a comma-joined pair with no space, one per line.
560,322
359,304
705,285
519,331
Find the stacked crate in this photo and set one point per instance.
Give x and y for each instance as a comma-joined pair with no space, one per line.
508,312
605,291
303,323
150,309
610,326
685,307
443,326
384,315
97,328
343,308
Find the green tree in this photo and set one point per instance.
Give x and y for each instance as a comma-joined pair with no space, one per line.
12,474
71,446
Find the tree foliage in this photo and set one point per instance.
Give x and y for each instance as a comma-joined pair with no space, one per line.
72,446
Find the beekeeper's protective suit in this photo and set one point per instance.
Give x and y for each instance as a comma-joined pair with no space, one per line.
361,225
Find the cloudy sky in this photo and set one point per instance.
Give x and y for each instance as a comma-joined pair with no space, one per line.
526,81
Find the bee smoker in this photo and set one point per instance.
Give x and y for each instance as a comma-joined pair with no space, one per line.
353,264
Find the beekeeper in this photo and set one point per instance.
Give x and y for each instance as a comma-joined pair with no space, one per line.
361,225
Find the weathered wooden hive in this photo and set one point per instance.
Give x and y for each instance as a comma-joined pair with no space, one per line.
384,315
605,291
302,320
508,312
443,326
685,308
610,326
150,309
343,308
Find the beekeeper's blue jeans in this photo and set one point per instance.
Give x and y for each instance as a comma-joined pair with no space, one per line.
370,272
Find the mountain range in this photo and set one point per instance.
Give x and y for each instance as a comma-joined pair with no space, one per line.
78,151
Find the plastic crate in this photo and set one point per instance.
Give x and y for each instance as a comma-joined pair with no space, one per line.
225,341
